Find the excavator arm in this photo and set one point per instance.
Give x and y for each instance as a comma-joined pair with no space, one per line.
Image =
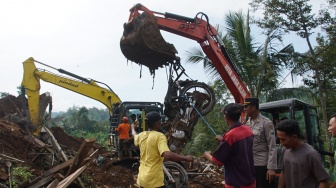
193,28
83,86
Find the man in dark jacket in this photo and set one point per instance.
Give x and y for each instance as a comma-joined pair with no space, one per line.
235,151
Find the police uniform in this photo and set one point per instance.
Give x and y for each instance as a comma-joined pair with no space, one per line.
264,146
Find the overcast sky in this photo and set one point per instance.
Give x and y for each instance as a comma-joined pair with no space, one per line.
83,37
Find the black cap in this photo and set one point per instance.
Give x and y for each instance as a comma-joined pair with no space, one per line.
251,101
152,117
232,110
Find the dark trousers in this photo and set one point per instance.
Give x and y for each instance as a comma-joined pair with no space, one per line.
124,145
261,180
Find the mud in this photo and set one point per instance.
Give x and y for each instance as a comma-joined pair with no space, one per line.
143,43
104,169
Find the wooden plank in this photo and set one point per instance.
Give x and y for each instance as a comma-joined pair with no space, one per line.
81,155
26,184
12,158
57,147
38,142
42,182
34,140
53,184
58,167
68,180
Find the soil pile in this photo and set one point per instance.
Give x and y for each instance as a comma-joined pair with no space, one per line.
104,169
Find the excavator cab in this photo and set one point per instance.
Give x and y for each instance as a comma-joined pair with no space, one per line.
304,113
143,43
139,109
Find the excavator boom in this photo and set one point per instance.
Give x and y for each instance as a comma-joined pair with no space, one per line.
89,88
145,25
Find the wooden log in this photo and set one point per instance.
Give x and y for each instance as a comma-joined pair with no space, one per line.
58,167
57,147
81,155
42,182
69,179
53,184
12,158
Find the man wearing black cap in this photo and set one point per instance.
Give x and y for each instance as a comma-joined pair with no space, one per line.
235,150
153,150
264,146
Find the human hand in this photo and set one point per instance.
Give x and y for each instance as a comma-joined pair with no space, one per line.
270,174
219,138
207,154
189,158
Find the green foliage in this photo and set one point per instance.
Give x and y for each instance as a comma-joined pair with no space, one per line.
302,93
258,66
203,137
4,94
88,181
317,64
332,170
19,175
221,92
97,114
101,137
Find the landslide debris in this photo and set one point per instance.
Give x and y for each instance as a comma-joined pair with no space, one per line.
104,170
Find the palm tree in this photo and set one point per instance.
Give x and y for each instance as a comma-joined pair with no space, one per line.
258,66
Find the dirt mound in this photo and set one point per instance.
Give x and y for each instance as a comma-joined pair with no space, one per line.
110,175
13,143
10,105
66,141
103,171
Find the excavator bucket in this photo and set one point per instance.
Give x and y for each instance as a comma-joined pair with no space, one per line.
143,43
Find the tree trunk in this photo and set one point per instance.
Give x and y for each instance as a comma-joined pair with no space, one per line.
323,101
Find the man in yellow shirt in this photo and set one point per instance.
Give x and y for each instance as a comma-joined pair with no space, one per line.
153,151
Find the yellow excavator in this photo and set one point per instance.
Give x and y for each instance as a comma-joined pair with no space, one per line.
175,175
87,87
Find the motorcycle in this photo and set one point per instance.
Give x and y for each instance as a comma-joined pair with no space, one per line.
185,101
184,96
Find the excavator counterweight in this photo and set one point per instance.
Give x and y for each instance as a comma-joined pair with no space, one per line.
143,43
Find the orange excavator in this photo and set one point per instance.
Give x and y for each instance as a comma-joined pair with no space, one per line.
143,44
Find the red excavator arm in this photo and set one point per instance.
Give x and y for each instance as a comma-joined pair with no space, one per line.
206,35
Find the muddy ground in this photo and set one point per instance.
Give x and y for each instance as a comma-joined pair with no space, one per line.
104,170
